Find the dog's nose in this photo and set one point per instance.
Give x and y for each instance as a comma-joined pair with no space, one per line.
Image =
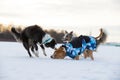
51,56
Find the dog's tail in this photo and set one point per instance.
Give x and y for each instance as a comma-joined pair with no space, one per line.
102,37
16,34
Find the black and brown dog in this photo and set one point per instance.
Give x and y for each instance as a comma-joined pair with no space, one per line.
33,35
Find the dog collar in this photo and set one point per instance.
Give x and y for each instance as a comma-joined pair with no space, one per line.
46,39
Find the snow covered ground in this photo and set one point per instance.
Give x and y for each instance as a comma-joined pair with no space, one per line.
15,64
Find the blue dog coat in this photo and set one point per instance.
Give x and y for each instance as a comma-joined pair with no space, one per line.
73,52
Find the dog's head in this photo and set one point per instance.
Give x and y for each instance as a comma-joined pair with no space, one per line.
59,53
51,44
67,36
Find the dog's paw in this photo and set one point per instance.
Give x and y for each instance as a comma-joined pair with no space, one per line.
36,53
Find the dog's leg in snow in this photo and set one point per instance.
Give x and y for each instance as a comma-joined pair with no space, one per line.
35,52
26,45
34,49
91,54
85,54
77,57
43,50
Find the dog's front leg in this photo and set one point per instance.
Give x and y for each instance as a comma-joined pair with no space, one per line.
43,50
77,57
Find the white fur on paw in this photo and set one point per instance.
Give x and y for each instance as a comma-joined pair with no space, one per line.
36,53
44,53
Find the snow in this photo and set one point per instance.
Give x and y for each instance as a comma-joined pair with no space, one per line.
15,64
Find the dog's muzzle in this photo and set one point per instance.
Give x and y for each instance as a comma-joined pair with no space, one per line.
52,57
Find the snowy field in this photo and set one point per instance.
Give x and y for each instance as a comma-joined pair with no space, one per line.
15,64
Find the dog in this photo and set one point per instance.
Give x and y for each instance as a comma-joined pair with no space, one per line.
33,35
79,45
68,36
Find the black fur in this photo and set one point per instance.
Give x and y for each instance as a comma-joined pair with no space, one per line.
51,44
16,34
32,35
77,41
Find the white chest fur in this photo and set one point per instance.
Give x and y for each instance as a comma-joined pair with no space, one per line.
46,39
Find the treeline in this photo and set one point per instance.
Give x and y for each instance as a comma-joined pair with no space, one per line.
6,35
57,35
5,32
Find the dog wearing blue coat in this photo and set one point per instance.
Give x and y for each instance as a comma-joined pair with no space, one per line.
78,45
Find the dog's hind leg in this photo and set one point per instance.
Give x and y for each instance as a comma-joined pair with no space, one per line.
26,45
35,49
43,50
35,52
85,54
91,54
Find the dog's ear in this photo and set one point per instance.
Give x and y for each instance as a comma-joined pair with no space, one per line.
71,32
66,31
55,48
101,30
61,48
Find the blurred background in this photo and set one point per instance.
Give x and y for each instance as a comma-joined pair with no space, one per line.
80,16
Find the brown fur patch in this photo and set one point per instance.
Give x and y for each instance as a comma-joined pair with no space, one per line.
88,53
59,53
